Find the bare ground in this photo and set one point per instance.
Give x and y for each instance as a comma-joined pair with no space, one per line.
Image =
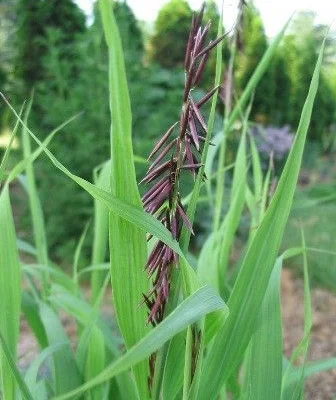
323,338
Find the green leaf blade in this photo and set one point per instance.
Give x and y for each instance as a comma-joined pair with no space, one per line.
249,289
10,292
265,349
128,246
65,372
200,303
100,236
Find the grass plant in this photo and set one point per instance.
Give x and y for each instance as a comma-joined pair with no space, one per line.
204,332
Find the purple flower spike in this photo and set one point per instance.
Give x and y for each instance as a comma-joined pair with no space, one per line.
207,97
193,131
175,156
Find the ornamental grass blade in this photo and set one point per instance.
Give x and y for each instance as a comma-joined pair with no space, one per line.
108,347
128,246
36,213
264,354
95,363
77,255
231,221
31,376
207,267
22,165
257,170
207,273
311,368
100,231
131,213
265,191
86,315
29,308
26,247
10,293
65,371
254,199
12,371
59,277
173,372
192,309
247,295
212,151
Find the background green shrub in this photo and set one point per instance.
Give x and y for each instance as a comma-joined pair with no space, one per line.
63,58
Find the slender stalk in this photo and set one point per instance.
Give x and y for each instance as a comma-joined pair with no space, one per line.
185,235
164,199
35,207
187,376
162,353
220,184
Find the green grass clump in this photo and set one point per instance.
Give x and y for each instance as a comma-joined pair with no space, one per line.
221,330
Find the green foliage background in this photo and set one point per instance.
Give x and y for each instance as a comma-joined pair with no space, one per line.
54,51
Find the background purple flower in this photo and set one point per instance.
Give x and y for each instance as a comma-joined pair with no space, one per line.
273,139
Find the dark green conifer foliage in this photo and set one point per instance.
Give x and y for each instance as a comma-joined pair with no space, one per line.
252,46
34,19
305,38
74,80
271,100
171,33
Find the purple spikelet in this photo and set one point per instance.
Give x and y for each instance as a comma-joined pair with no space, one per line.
178,154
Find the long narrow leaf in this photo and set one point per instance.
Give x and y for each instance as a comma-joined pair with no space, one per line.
12,371
65,372
189,311
135,215
10,293
95,363
40,237
173,372
29,307
128,247
232,218
26,247
265,349
21,166
231,341
100,233
311,368
193,364
31,376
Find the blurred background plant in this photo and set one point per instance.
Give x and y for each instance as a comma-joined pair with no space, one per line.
53,49
272,142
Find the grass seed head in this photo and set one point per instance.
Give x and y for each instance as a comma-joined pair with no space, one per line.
177,155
